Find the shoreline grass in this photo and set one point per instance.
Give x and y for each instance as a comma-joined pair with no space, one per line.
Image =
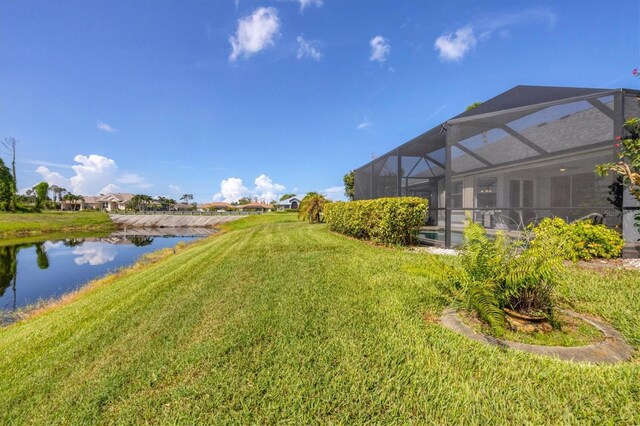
16,225
286,322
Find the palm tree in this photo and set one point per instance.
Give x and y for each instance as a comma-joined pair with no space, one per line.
74,199
311,207
166,203
138,202
57,192
41,190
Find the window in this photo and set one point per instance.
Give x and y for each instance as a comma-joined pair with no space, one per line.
456,195
580,190
486,192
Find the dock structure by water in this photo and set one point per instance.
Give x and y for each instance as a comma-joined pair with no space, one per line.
171,221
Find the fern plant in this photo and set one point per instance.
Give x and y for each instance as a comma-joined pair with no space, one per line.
506,272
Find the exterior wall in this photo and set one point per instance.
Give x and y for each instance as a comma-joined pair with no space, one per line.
516,166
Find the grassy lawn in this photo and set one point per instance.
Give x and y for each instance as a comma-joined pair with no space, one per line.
27,224
277,320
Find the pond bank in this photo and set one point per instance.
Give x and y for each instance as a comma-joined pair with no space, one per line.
34,272
170,221
16,225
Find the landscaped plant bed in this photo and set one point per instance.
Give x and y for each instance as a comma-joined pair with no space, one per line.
569,330
606,265
611,347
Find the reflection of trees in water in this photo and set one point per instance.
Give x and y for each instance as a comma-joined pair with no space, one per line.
9,265
140,240
8,268
73,242
42,258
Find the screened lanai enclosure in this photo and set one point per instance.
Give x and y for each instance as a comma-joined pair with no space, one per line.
526,154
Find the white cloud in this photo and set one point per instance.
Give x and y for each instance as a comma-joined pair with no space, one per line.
175,189
93,253
267,190
364,125
105,127
307,50
306,3
109,188
255,33
46,163
533,16
453,47
134,180
53,178
232,189
335,193
380,49
93,173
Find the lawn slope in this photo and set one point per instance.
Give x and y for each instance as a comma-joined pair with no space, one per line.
28,224
289,322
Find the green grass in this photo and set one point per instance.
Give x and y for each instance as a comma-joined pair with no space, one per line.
13,225
286,322
261,219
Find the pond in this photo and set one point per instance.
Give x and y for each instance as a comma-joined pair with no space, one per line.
31,272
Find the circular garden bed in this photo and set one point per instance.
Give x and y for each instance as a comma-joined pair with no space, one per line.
584,339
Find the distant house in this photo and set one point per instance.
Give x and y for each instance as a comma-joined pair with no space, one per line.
182,207
260,207
107,202
288,204
216,206
113,202
87,202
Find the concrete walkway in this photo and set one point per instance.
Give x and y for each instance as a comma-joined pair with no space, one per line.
611,350
171,221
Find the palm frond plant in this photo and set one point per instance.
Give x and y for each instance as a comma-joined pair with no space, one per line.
506,272
312,206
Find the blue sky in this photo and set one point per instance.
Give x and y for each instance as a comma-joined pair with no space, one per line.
230,98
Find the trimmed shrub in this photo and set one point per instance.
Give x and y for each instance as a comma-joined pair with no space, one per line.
383,220
581,240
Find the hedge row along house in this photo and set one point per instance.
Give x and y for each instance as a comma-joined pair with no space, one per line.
528,153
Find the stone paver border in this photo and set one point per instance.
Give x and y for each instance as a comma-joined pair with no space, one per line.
611,350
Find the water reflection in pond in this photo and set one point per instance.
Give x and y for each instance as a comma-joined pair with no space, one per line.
30,272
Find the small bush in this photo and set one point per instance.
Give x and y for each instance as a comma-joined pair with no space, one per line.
383,220
506,273
581,240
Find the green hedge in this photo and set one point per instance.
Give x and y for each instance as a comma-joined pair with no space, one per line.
383,220
582,240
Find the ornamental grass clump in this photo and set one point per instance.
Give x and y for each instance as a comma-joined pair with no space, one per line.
392,221
506,272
